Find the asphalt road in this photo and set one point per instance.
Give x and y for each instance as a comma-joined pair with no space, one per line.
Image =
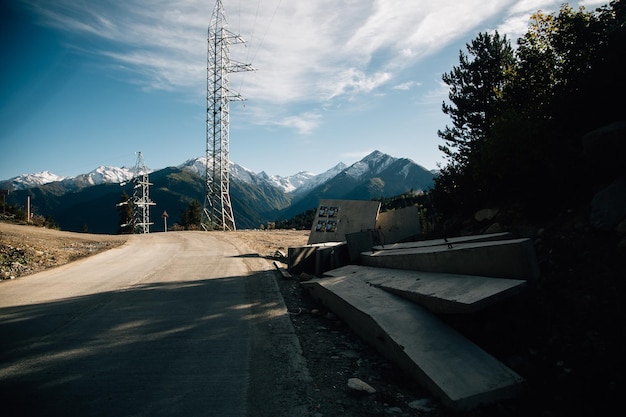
170,324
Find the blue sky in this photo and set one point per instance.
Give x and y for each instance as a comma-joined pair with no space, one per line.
90,83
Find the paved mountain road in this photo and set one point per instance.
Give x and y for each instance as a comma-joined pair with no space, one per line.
169,324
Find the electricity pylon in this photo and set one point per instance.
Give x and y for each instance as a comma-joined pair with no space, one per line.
141,197
218,210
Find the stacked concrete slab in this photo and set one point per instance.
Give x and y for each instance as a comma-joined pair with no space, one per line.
440,293
392,298
510,258
455,370
342,229
336,218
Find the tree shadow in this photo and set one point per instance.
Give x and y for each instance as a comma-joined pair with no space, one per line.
175,348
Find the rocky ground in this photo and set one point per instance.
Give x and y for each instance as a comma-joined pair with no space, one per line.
565,335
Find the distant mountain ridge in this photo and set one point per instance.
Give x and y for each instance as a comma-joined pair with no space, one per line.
88,201
101,175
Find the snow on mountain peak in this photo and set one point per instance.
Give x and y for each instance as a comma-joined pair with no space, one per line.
298,183
375,162
301,181
106,175
24,181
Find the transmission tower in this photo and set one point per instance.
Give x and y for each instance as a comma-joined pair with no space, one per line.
218,210
141,197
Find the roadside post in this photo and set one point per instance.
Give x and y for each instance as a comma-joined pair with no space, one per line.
165,216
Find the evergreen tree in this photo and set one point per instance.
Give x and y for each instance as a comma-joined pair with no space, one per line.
192,216
126,215
476,87
476,91
518,118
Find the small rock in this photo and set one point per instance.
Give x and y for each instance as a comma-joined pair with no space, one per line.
422,404
485,214
350,354
304,277
358,385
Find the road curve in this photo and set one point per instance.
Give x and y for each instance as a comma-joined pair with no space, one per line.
169,324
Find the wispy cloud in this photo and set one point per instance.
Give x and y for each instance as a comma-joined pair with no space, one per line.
314,52
304,123
356,155
406,85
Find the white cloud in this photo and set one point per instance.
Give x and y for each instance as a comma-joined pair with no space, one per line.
305,51
303,123
356,155
406,85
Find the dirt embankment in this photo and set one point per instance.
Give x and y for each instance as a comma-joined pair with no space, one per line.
25,250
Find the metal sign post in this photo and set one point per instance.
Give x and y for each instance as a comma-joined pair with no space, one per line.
165,216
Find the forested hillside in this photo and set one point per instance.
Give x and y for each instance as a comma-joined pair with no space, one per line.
536,147
519,114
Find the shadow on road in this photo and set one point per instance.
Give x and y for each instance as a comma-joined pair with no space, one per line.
213,346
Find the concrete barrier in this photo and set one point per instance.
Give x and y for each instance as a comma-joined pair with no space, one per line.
439,292
513,259
331,256
445,242
458,372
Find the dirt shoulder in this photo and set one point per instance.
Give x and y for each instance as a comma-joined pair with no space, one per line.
25,249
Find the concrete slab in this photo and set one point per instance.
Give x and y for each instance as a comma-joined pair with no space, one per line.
308,259
458,372
399,225
439,292
360,242
445,242
335,218
331,256
512,259
301,258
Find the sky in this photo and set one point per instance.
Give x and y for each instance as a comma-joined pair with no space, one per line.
89,83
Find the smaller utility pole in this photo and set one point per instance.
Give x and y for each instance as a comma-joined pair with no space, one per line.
141,196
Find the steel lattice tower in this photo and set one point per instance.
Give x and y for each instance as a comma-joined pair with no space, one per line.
218,210
141,197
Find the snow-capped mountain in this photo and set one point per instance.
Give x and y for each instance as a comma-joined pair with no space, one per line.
103,175
24,181
373,164
88,201
288,184
376,175
297,183
198,167
100,175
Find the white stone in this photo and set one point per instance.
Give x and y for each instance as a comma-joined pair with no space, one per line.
359,385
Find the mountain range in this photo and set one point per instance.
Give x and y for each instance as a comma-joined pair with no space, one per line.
88,201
